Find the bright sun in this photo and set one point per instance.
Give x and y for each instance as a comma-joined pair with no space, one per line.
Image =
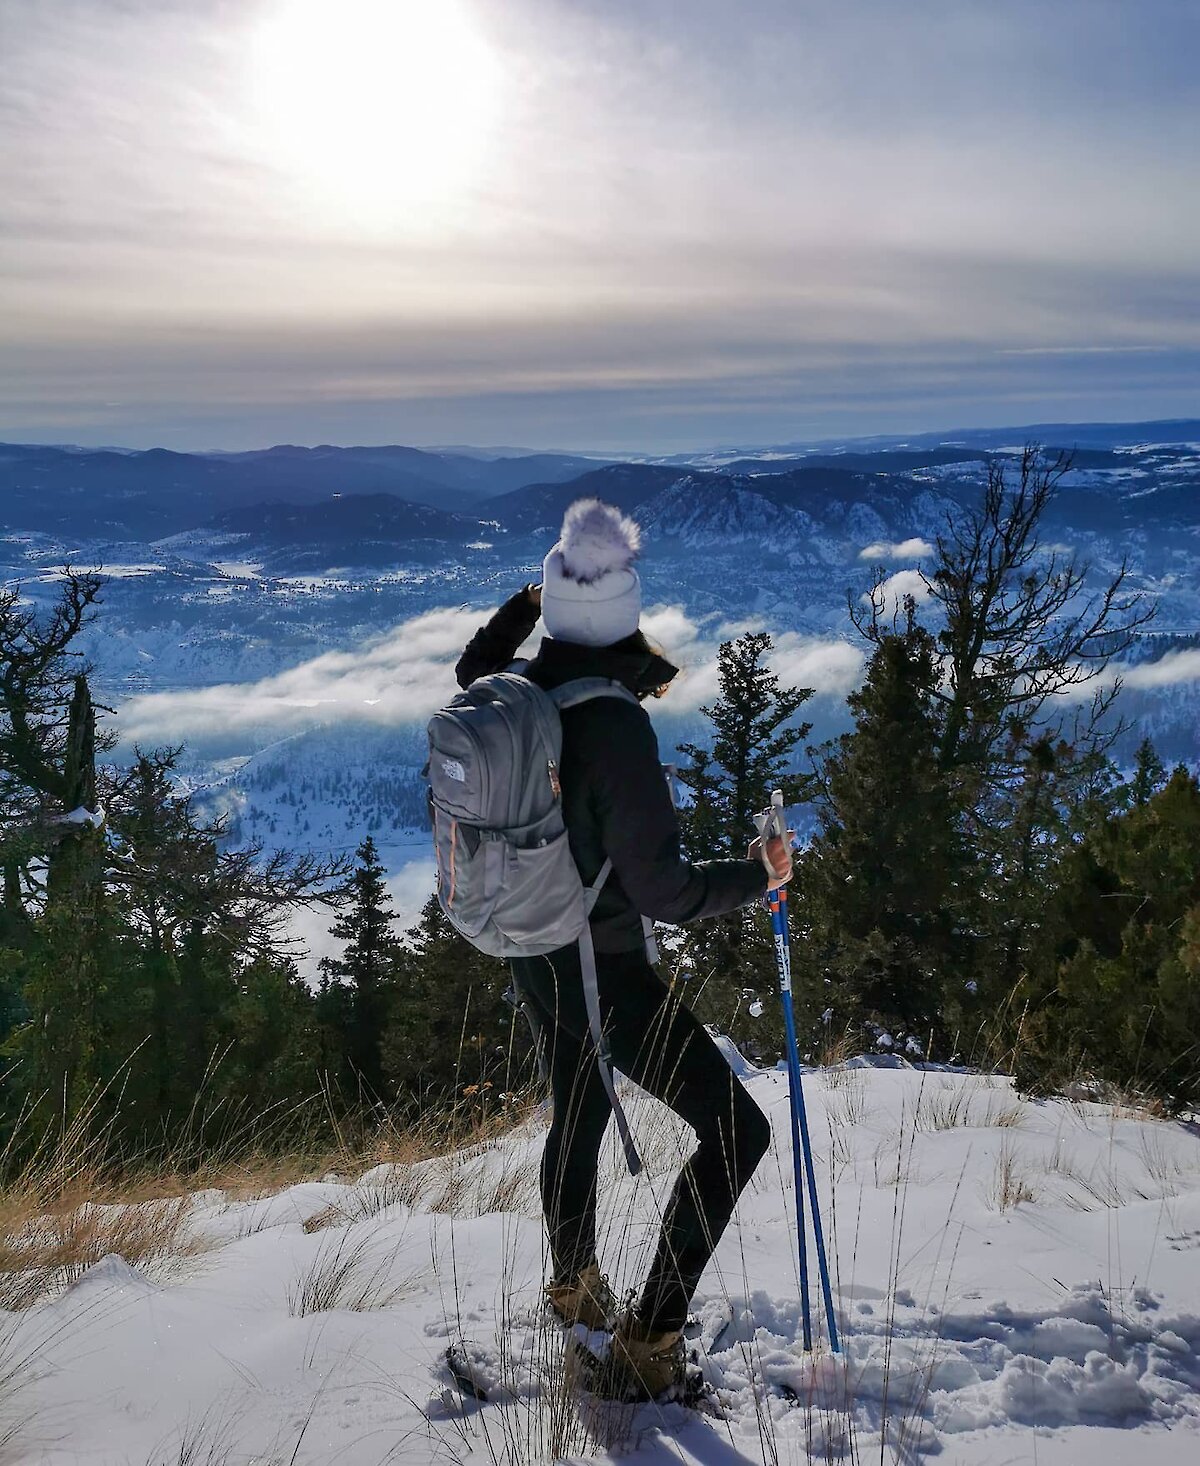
381,110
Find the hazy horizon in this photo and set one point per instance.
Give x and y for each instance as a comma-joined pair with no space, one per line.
947,434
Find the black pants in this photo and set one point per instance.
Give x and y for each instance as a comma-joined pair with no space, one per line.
658,1043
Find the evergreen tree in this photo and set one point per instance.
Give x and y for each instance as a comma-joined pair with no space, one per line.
1149,774
70,1054
272,1062
1022,765
1117,996
367,970
753,746
882,886
127,929
451,1038
1057,795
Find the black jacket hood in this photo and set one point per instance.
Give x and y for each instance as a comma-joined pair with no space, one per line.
631,662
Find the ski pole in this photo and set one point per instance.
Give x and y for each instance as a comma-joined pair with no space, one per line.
772,823
769,824
802,1114
783,958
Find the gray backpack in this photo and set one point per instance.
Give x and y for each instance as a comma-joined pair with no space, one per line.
506,878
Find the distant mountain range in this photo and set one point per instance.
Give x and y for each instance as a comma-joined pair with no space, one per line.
146,496
822,510
461,520
149,495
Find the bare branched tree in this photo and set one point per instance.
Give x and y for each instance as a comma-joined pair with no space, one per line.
1024,636
48,736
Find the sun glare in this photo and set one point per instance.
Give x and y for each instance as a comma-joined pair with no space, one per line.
379,110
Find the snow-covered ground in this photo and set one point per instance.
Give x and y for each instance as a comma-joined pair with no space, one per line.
1016,1282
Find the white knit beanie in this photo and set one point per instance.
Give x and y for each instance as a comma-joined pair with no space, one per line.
590,591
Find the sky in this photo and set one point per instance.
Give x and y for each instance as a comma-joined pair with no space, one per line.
616,225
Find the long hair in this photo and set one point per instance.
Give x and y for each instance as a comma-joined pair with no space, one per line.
638,641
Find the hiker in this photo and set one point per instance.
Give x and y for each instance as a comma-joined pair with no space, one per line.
616,804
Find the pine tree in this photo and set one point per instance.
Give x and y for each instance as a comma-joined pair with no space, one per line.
882,882
1149,774
1057,794
1022,761
367,969
126,925
754,741
70,1053
1117,997
274,1061
451,1039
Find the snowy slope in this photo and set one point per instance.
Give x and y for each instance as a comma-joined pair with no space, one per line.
1016,1283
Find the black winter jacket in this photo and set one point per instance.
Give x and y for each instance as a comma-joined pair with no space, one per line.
615,799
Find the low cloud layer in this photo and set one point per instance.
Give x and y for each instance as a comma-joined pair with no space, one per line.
883,550
1173,670
405,675
401,677
896,588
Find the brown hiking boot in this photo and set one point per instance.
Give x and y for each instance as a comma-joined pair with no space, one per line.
643,1362
585,1299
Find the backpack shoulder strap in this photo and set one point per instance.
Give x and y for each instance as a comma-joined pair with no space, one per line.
591,996
583,689
569,695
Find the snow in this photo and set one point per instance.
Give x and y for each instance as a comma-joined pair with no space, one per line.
94,818
129,572
239,569
1016,1282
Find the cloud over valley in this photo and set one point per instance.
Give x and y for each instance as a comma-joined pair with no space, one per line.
400,678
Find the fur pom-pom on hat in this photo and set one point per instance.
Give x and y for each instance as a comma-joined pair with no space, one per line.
596,540
590,591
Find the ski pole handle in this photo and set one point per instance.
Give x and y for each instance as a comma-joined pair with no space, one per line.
771,825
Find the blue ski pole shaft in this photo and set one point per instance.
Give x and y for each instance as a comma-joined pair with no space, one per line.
783,958
800,1120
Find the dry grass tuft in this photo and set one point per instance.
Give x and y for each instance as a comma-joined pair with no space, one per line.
465,1186
1009,1186
1099,1188
851,1106
1164,1165
967,1103
345,1274
62,1210
64,1204
47,1252
401,1186
836,1050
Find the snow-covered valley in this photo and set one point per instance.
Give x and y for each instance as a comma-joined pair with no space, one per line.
297,655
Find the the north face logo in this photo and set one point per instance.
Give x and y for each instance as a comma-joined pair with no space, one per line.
453,769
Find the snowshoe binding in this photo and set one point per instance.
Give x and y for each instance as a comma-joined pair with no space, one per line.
586,1299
